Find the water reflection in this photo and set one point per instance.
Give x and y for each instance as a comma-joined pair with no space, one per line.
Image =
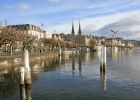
80,60
73,64
48,65
103,82
80,64
79,78
8,82
25,92
115,55
87,57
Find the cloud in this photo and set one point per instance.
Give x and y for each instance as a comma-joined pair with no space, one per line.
54,0
128,27
96,17
128,24
20,6
23,6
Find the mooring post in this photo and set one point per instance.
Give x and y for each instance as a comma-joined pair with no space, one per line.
28,91
103,80
103,68
103,59
25,75
22,92
22,75
27,67
60,60
60,51
104,53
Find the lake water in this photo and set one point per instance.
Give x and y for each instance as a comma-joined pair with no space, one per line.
78,77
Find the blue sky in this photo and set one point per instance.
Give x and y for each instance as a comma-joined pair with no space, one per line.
58,14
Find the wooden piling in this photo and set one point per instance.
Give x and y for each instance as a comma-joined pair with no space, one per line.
28,91
22,75
104,49
103,80
60,52
27,75
22,92
25,92
103,59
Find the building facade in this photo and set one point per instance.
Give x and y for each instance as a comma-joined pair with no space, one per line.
78,39
119,42
30,29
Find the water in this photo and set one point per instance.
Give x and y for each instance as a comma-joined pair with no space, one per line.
78,77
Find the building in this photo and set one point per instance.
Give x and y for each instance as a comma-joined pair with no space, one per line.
119,42
80,39
58,37
99,40
48,35
30,29
130,43
110,42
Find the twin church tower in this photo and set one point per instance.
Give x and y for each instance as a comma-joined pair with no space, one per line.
79,31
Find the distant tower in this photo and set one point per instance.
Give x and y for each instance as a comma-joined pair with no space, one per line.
72,32
79,31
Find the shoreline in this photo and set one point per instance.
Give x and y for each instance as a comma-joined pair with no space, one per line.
15,60
12,61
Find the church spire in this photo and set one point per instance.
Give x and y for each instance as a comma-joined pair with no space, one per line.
72,32
79,31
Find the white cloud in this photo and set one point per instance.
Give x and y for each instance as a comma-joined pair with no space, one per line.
95,16
20,6
96,25
54,0
23,6
129,27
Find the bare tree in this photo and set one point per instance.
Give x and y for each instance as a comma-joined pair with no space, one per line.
26,39
50,43
9,36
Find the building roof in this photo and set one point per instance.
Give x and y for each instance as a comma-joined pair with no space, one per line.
73,32
79,31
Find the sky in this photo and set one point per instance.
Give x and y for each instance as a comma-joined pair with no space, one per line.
97,17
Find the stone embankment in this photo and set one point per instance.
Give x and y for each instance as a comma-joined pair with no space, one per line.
8,61
11,61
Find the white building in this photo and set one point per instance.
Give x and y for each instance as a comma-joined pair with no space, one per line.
31,29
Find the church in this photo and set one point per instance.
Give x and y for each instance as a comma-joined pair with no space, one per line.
80,38
77,38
